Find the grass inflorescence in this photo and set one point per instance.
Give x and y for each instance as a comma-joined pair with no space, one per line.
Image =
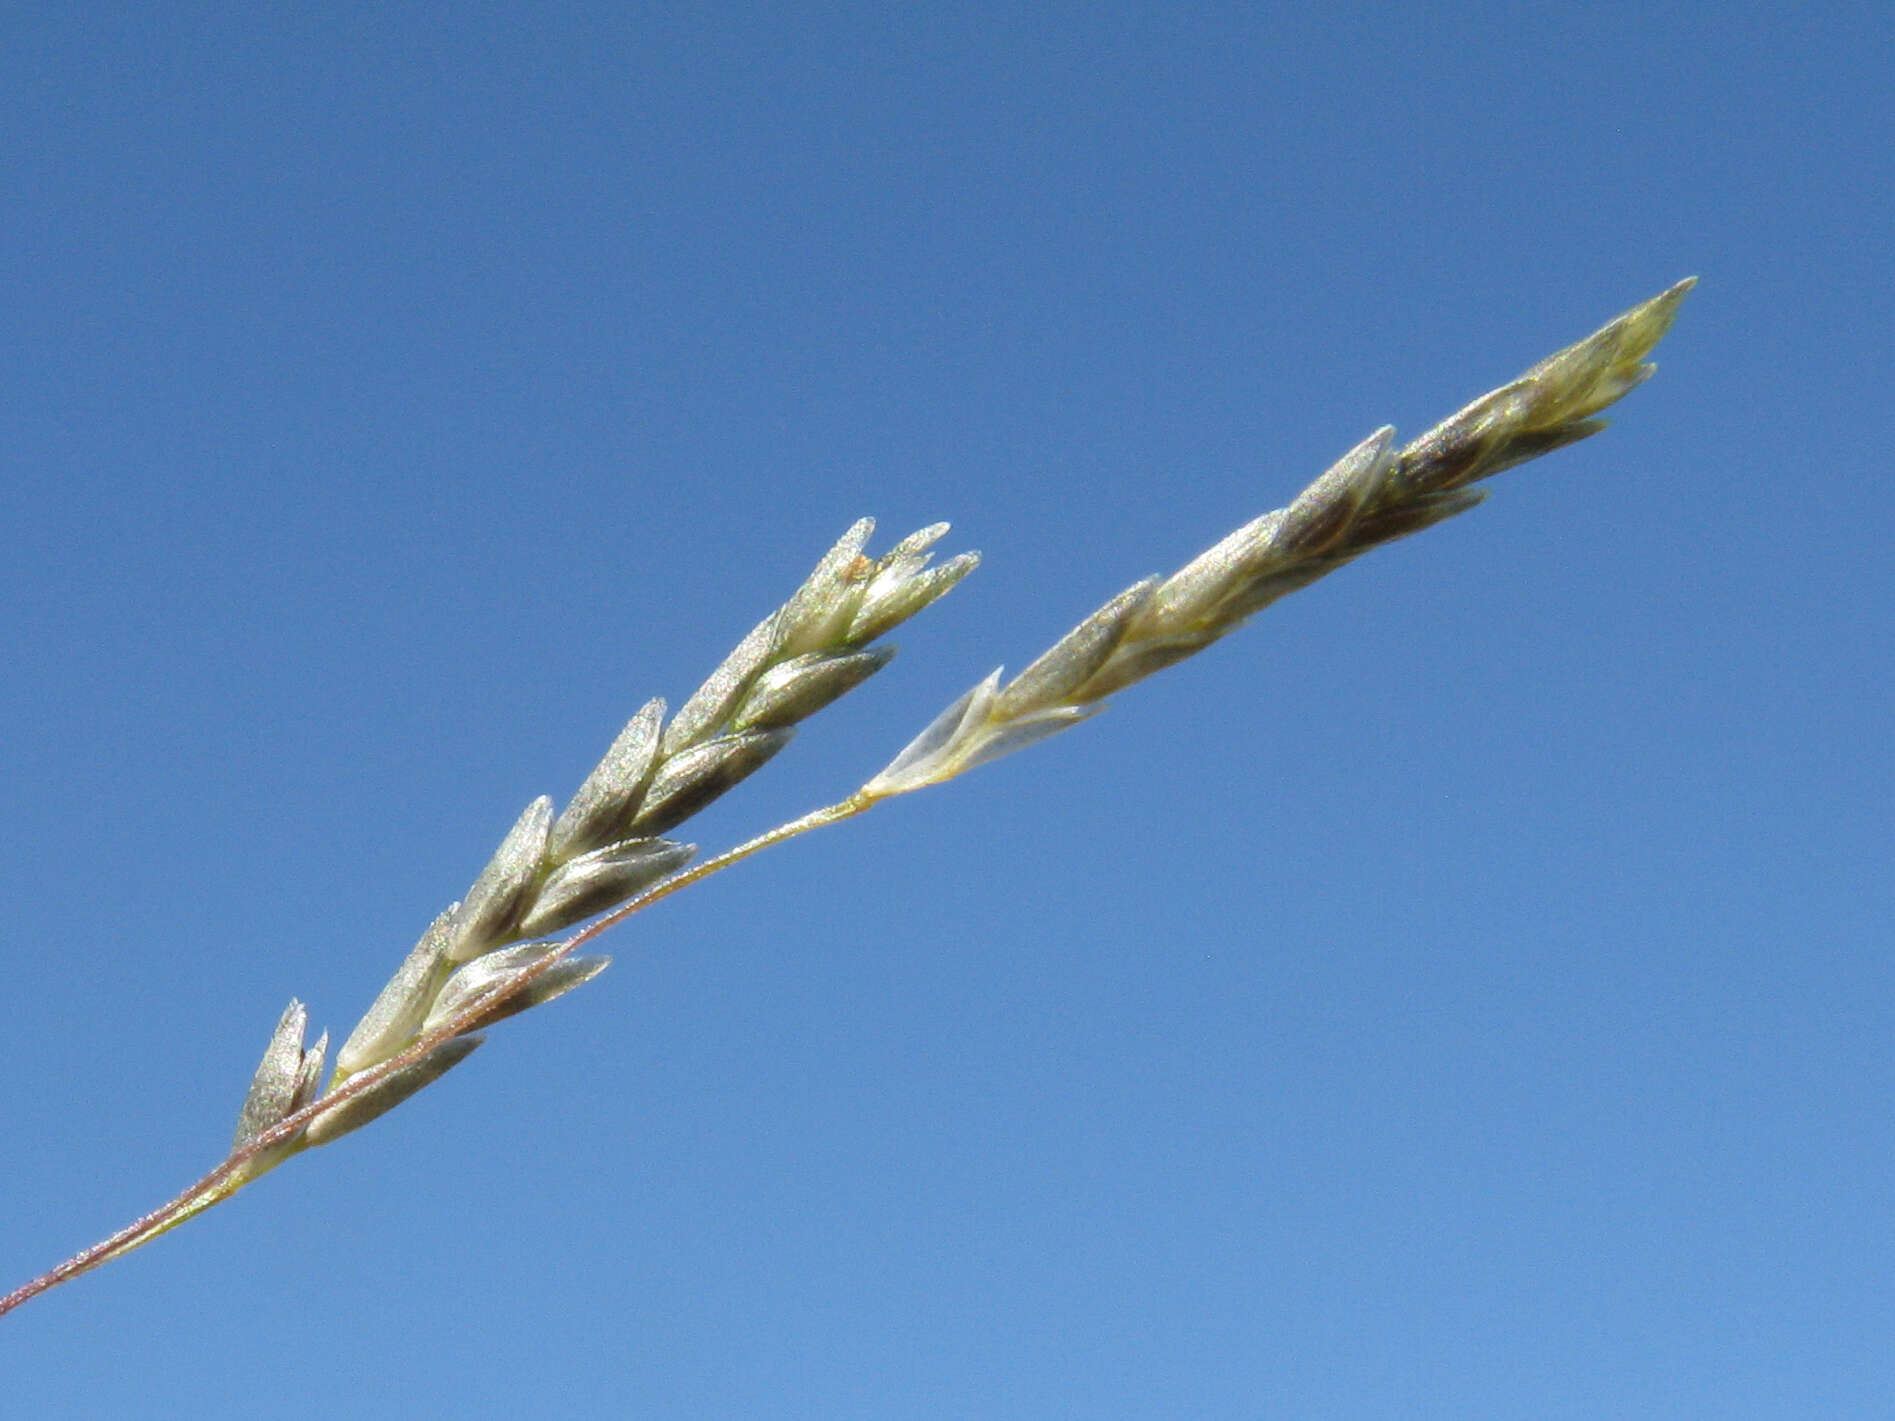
495,951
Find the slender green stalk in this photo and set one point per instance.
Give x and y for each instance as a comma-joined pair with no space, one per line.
858,803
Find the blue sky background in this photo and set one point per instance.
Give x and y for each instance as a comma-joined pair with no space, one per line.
1466,993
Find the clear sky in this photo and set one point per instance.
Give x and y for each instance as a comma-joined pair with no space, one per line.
1466,993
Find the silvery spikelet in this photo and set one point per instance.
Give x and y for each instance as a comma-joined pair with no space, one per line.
390,1091
286,1079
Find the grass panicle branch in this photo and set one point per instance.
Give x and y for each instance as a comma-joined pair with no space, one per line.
1373,495
551,872
490,954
